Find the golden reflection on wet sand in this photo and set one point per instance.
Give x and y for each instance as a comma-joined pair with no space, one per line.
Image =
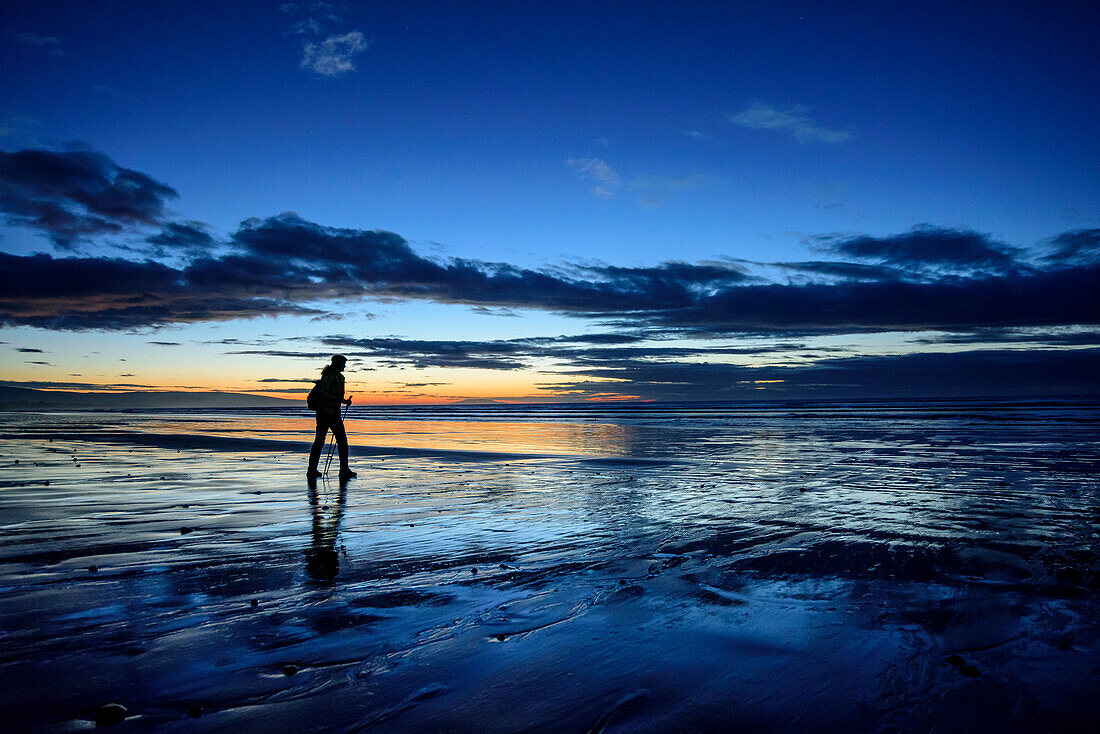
528,437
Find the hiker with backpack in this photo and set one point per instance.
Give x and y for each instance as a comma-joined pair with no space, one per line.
325,398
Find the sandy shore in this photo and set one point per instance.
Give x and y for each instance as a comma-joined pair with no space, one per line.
774,574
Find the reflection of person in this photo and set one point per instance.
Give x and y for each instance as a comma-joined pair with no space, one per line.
322,559
328,418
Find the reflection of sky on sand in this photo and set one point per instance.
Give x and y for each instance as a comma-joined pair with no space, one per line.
789,569
596,439
538,438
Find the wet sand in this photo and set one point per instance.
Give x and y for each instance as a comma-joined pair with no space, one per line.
882,569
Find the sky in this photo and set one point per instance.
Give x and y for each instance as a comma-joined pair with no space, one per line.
552,201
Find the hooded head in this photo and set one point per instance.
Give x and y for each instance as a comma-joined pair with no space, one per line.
337,363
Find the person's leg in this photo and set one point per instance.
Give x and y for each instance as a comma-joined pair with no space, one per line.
341,444
318,444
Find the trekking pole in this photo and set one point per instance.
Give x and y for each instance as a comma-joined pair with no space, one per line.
332,441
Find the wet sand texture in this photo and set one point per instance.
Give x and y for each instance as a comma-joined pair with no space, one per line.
851,569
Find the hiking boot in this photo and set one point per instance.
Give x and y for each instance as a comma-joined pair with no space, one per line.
347,473
313,474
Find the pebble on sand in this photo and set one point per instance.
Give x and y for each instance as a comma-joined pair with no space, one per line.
93,569
185,530
110,714
254,603
290,669
194,711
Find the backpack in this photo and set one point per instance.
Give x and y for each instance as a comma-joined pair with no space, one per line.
313,400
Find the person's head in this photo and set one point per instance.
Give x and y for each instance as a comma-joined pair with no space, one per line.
337,363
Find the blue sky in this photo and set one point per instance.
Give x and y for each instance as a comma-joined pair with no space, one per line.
548,136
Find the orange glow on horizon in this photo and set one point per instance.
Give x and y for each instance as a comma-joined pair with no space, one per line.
370,397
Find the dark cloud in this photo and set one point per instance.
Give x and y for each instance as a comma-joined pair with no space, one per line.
485,311
44,279
675,274
325,355
714,298
1057,297
992,373
492,355
289,264
1080,247
610,355
927,246
186,236
843,270
512,354
71,195
604,338
382,264
30,350
47,364
166,344
1015,336
288,237
453,355
109,293
328,316
252,342
923,279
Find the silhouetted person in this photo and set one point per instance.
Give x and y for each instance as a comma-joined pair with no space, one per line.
327,405
322,558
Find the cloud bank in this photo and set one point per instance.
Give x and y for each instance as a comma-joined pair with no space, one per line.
926,279
76,194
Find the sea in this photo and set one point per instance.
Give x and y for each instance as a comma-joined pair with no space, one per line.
922,565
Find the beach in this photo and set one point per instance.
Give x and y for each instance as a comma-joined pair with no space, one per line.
907,566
